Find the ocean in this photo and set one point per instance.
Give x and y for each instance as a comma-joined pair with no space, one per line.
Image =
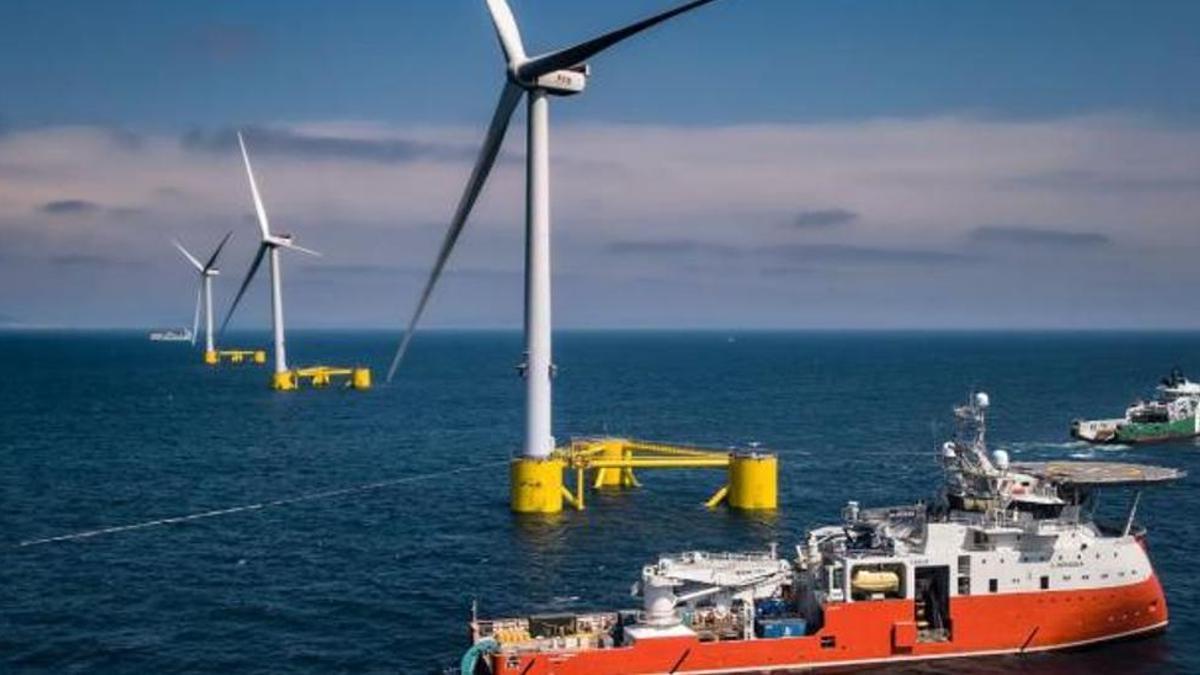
369,572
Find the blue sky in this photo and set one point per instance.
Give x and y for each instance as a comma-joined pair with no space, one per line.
172,64
757,163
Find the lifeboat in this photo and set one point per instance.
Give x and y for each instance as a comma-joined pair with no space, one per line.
875,581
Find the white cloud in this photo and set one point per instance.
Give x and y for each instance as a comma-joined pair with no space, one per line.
915,185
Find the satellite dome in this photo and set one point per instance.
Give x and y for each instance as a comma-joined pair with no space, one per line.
982,400
1000,459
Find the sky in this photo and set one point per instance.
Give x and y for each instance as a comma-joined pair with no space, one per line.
752,164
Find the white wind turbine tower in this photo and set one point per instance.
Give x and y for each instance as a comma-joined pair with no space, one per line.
207,271
558,73
270,243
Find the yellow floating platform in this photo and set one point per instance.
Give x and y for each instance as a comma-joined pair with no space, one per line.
320,377
538,486
255,356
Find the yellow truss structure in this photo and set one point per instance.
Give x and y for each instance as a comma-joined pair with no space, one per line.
323,376
751,476
256,356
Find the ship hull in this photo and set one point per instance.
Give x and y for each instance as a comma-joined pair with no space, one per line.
1134,433
882,631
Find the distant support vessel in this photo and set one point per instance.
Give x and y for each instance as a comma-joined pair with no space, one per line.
1010,560
1171,415
171,335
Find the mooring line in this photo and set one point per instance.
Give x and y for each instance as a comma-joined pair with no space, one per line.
324,494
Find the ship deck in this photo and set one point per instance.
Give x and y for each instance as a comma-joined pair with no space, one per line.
1100,473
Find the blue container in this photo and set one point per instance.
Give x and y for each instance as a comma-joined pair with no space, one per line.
779,628
770,607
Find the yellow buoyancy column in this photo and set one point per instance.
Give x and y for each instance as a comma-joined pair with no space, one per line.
210,357
361,378
260,356
285,381
753,481
613,449
537,485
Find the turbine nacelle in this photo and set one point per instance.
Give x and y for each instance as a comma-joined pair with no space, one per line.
565,82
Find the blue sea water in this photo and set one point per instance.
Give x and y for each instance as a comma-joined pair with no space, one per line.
108,429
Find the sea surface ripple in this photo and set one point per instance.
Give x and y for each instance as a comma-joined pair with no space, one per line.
107,429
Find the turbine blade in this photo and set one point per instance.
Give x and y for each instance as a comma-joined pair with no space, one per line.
262,250
263,223
301,249
483,166
196,315
507,31
191,258
573,56
213,260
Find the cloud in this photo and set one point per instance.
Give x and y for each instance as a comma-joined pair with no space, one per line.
89,260
865,255
1090,180
645,199
670,247
291,143
355,269
812,254
785,271
1034,236
370,270
823,219
69,207
66,208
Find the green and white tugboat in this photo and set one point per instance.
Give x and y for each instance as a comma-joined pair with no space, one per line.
1171,415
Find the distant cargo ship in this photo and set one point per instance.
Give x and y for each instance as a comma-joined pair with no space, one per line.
171,335
1171,415
1009,561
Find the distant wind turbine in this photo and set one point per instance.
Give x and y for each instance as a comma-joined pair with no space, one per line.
270,243
207,271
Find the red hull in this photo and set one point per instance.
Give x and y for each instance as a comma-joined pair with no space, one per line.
882,631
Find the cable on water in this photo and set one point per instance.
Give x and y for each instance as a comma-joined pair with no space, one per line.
324,494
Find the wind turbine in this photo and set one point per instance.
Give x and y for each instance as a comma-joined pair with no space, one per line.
270,243
207,271
557,73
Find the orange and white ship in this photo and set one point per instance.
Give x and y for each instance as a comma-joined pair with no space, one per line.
1009,560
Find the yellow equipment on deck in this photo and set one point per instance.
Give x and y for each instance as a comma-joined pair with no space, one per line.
538,486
